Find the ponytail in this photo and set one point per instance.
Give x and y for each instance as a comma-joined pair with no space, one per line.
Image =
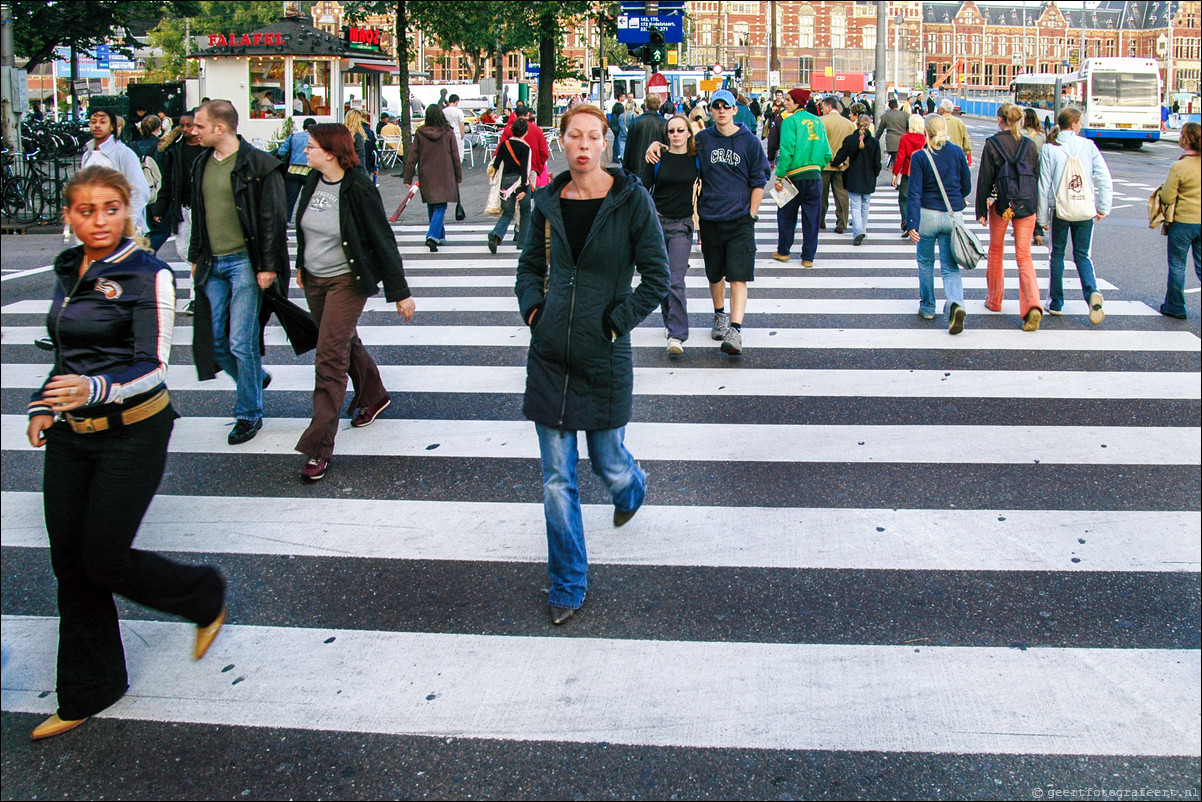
1011,116
1065,120
936,130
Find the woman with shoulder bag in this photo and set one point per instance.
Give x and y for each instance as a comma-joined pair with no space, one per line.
435,158
673,183
105,418
344,249
600,226
1073,206
939,182
1010,173
513,160
1183,190
862,152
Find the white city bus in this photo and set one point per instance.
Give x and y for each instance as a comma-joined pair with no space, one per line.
1120,98
681,82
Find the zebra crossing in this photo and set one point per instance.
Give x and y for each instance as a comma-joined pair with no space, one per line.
864,539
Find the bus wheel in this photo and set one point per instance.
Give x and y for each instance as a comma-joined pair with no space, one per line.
1132,144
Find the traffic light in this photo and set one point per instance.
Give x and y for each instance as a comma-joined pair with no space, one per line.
657,50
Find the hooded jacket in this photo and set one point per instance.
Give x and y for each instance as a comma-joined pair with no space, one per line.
1053,158
435,158
577,375
731,167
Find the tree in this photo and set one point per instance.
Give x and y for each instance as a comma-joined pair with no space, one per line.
211,16
552,20
41,26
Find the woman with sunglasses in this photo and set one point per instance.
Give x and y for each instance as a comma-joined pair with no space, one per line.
671,182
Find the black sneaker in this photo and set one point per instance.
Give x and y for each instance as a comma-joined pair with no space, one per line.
266,380
493,241
244,430
957,320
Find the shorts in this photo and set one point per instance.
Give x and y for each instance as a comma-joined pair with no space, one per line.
728,247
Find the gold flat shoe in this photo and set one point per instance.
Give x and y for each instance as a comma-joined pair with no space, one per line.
206,635
54,726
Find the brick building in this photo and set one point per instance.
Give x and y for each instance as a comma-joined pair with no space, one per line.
813,42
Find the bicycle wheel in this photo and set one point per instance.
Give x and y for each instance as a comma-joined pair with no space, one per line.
22,200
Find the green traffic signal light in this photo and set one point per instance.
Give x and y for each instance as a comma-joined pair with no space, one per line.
657,50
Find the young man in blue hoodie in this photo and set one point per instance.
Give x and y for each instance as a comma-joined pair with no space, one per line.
734,170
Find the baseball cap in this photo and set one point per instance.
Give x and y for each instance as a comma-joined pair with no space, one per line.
723,96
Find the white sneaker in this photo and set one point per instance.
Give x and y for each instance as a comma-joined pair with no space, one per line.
675,346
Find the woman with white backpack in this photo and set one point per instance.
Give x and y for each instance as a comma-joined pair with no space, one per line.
1074,192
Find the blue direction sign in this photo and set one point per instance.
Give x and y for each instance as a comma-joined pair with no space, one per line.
632,28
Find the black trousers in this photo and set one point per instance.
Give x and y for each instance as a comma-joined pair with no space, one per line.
95,490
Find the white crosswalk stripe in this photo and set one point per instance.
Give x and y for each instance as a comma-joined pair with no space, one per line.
866,448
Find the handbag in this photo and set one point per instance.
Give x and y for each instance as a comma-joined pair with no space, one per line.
493,207
460,212
966,248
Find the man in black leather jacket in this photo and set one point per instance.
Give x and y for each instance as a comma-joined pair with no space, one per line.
238,248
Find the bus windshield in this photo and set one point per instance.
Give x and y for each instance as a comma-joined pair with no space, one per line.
1119,89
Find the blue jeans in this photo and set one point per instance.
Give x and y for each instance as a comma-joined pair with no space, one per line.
859,202
234,296
507,209
936,227
1183,238
436,212
1082,232
808,202
567,561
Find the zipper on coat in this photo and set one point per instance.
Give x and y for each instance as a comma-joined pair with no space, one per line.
563,405
58,323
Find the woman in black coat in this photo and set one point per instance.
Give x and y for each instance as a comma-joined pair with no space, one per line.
344,249
599,226
862,152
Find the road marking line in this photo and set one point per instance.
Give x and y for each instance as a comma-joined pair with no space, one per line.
957,700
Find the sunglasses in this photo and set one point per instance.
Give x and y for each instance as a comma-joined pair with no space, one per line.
719,106
678,130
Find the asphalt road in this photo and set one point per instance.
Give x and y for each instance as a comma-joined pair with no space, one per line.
875,562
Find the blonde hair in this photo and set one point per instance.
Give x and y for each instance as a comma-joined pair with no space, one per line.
1012,116
936,130
914,124
353,122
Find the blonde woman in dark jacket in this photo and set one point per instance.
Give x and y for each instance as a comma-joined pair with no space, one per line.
600,225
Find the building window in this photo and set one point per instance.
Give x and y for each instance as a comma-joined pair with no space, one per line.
976,44
989,74
707,34
267,88
868,37
742,34
806,65
805,22
311,79
838,28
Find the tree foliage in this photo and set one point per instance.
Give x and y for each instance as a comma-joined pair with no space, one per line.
40,26
211,16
